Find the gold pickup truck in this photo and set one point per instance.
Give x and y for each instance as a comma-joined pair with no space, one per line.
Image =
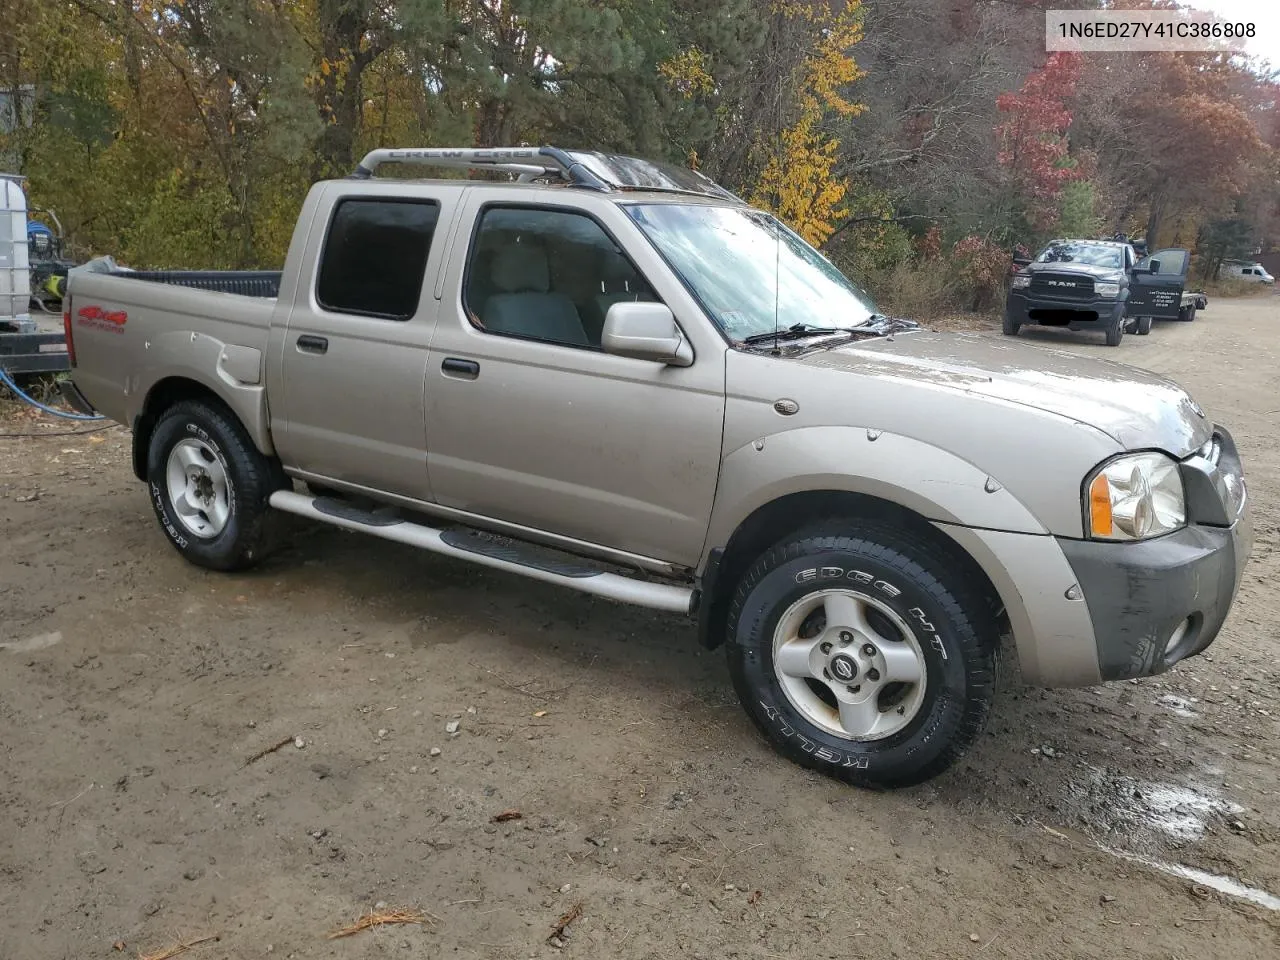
614,376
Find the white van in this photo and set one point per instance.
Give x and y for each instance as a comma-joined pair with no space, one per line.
1253,273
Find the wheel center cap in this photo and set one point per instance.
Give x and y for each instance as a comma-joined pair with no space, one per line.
843,667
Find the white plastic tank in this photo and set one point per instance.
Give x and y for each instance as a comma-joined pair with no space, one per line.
15,276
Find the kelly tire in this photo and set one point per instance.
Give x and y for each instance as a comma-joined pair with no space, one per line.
920,586
209,436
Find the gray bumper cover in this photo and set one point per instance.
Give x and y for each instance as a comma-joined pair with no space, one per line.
1139,594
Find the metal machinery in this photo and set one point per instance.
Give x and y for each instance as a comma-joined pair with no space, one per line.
27,344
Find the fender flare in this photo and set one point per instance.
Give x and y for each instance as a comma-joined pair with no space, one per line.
231,372
934,483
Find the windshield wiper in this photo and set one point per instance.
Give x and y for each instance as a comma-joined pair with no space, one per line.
793,332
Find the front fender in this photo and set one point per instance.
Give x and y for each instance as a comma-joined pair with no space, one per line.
934,483
232,372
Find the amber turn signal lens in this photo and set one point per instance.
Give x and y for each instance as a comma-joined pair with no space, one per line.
1100,506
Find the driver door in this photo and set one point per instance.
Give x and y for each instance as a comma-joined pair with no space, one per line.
1158,295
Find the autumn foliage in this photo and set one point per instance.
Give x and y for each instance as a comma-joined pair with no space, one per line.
1032,137
912,146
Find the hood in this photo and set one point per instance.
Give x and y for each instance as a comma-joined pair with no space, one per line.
1080,269
1137,408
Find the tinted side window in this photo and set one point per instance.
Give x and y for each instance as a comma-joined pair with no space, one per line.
375,256
547,275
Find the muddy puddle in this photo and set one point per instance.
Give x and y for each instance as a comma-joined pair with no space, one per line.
1147,815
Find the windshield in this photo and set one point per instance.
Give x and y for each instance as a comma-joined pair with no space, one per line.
748,281
1089,254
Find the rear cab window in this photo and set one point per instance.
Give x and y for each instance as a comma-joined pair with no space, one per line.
374,259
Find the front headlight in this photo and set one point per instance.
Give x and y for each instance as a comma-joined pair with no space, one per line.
1107,288
1020,281
1135,497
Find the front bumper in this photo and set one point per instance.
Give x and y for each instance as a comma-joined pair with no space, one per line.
1082,611
1156,602
1159,601
1073,314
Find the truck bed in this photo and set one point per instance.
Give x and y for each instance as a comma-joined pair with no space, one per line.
131,329
246,283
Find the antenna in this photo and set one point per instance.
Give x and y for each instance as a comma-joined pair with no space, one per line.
777,233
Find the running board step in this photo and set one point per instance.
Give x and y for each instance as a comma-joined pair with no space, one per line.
490,550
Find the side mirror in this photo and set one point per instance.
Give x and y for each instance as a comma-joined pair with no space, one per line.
645,331
1153,266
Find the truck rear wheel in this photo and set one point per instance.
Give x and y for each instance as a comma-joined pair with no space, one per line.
859,652
1144,326
209,486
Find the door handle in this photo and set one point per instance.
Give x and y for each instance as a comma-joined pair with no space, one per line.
310,344
466,369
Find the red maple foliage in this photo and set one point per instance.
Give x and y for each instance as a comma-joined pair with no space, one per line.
1033,142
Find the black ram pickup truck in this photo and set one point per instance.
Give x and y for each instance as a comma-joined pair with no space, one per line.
1100,285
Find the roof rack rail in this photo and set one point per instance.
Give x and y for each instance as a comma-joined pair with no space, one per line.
530,163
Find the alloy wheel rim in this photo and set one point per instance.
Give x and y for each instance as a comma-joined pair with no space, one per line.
849,664
198,488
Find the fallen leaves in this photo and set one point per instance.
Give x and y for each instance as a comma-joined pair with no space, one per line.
506,816
562,925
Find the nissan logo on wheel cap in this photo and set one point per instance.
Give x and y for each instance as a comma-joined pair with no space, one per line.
843,668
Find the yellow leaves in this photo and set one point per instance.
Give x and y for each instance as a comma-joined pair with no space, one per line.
798,182
687,73
831,67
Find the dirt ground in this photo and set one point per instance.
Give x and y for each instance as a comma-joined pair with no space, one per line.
134,688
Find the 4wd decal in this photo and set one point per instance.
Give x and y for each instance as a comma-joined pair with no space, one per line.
112,321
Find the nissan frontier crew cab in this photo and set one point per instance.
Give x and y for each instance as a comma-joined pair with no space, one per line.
615,376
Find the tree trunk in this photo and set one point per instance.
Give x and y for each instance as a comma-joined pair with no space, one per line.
343,23
1154,218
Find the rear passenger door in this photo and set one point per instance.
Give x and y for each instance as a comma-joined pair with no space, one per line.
530,422
348,405
1159,294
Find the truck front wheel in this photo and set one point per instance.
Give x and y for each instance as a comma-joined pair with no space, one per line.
209,486
858,651
1115,332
